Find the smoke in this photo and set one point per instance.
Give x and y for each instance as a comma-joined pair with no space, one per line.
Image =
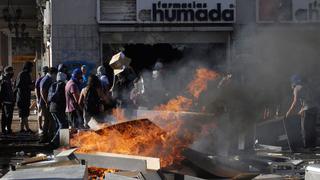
263,59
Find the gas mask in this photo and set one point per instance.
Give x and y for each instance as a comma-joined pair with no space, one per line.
155,74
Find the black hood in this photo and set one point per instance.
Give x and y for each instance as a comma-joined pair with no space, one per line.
27,66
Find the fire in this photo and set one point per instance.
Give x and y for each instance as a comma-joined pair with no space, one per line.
178,104
200,83
144,138
118,113
99,173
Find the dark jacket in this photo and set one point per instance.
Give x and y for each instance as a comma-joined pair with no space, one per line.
6,91
23,89
58,104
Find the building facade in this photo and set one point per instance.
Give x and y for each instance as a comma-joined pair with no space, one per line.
90,32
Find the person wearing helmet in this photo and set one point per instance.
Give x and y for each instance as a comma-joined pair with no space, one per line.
72,93
303,105
7,100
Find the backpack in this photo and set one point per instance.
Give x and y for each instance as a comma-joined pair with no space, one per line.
92,102
53,95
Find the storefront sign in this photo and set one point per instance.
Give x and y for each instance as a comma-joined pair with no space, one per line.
288,11
306,10
186,11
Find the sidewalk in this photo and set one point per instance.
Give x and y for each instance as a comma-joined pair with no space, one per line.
20,143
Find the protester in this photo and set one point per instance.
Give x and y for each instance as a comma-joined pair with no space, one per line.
91,99
124,75
102,75
7,100
57,100
72,93
303,105
45,70
48,125
24,86
84,76
109,104
137,93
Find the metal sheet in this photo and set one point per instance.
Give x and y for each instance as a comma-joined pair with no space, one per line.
75,172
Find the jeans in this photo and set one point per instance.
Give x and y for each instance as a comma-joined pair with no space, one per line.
6,119
61,123
75,119
48,124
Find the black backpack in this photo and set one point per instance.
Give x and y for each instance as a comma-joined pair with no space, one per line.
53,94
92,102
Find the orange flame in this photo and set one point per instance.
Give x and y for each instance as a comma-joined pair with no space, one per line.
99,173
178,104
119,115
146,139
200,83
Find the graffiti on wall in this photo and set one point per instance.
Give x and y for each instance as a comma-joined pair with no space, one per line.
76,58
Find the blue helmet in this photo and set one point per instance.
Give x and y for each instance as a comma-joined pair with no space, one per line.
296,80
76,72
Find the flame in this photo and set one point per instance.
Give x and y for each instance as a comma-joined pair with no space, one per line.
144,138
99,173
178,104
200,82
119,115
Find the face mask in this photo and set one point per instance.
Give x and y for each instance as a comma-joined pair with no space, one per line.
155,74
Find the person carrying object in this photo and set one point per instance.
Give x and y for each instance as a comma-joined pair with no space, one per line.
124,75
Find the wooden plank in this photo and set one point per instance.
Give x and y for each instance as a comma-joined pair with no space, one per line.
120,161
110,176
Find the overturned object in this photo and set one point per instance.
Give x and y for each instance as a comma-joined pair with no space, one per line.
118,62
76,172
120,161
220,166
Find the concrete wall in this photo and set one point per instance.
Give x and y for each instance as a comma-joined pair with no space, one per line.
75,37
